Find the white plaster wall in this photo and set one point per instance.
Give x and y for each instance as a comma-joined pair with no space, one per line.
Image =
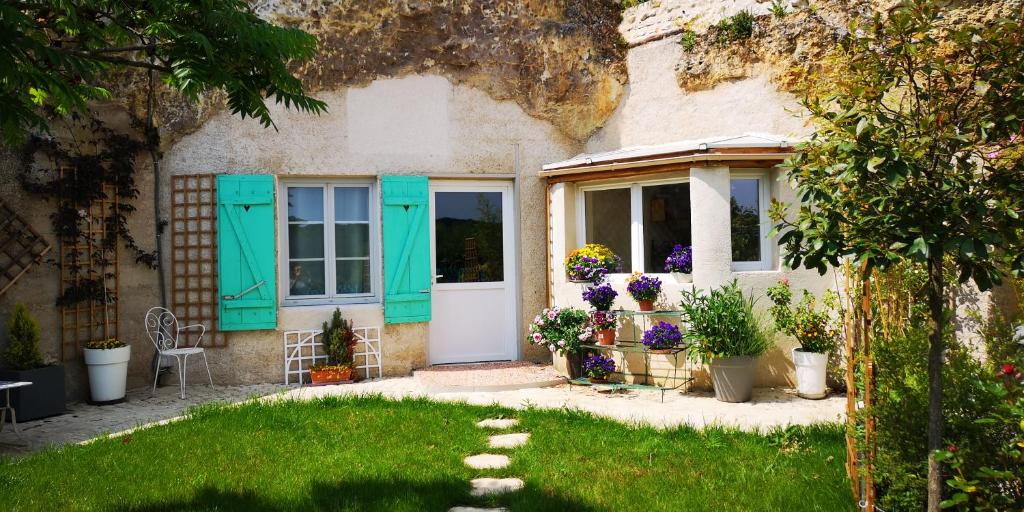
421,125
655,110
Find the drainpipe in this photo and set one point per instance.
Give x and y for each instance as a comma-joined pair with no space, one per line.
154,154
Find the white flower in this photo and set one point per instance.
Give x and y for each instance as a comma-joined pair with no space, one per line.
536,319
561,343
1018,334
552,315
551,347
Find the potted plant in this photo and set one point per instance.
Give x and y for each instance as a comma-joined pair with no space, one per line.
814,329
338,341
680,263
662,337
604,324
107,364
644,290
601,297
724,332
597,368
562,330
45,397
590,263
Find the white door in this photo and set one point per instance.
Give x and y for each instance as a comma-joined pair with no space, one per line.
473,296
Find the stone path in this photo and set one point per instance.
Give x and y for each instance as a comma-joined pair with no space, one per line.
491,486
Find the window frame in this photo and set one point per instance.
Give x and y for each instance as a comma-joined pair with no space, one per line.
330,258
636,219
764,199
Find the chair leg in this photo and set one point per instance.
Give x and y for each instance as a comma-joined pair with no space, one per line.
208,374
181,375
156,373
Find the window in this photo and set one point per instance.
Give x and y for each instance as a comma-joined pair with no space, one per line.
749,223
330,243
656,215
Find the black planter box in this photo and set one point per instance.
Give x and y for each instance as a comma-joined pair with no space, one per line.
45,397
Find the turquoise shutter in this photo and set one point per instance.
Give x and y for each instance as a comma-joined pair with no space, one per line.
407,273
246,252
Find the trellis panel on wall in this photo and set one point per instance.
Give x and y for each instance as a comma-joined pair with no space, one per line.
21,247
90,320
194,254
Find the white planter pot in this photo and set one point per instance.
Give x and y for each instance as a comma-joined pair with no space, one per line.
108,373
682,278
810,373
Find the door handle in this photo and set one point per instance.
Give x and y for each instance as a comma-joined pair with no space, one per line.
439,276
424,291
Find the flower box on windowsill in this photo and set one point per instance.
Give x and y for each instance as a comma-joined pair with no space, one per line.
682,278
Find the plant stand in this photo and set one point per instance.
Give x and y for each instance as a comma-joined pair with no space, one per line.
678,377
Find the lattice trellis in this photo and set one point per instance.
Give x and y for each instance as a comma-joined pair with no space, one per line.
20,247
194,254
90,320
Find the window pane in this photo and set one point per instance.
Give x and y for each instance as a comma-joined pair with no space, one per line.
353,276
306,278
468,237
305,204
666,222
351,240
746,220
351,204
305,241
607,217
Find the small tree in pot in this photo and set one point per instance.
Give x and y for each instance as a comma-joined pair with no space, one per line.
815,330
45,397
339,341
725,333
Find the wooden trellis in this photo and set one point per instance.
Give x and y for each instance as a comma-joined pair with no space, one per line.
90,320
194,254
20,247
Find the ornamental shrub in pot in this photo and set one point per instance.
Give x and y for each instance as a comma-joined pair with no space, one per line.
598,367
724,332
590,263
24,361
604,324
562,330
339,341
107,363
815,329
644,290
662,338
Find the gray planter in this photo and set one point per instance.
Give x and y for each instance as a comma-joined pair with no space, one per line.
733,378
45,397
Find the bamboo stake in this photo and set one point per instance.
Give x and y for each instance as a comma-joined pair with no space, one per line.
851,388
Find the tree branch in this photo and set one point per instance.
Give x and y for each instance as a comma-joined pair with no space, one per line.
115,60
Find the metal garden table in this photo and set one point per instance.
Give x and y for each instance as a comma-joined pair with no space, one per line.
7,386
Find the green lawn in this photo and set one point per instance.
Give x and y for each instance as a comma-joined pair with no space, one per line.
376,454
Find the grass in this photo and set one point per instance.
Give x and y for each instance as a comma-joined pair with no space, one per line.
374,454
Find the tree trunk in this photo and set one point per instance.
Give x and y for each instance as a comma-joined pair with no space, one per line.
936,306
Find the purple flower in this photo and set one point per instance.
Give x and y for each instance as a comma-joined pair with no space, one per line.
662,335
681,259
600,297
598,366
643,287
602,320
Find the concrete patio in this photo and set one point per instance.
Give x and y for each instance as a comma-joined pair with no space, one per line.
770,407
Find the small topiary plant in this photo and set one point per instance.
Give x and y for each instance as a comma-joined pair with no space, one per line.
23,334
339,341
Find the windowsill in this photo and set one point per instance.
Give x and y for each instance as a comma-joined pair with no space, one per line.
368,302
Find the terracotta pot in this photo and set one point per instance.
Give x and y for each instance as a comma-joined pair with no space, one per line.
595,380
646,305
606,337
661,351
330,375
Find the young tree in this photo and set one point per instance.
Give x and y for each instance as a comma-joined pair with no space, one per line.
53,55
916,157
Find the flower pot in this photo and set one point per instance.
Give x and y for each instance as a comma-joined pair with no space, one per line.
330,375
44,398
595,380
661,351
682,278
646,305
606,337
574,364
810,373
108,373
733,378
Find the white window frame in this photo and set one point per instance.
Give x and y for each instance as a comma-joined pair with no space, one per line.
330,259
764,199
636,215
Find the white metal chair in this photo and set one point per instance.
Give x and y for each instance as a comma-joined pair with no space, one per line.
165,333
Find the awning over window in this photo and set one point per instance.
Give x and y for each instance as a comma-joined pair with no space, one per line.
749,150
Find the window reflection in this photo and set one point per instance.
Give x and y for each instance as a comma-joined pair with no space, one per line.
468,237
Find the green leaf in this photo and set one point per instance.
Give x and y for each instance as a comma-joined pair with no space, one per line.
918,247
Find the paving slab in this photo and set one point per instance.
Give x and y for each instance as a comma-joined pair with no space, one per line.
489,486
487,461
498,423
508,440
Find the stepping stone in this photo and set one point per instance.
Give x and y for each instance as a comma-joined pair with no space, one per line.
508,440
475,509
487,461
489,486
498,423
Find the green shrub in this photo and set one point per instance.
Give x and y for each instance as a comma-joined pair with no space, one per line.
817,330
338,340
778,9
23,340
722,323
734,28
688,40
